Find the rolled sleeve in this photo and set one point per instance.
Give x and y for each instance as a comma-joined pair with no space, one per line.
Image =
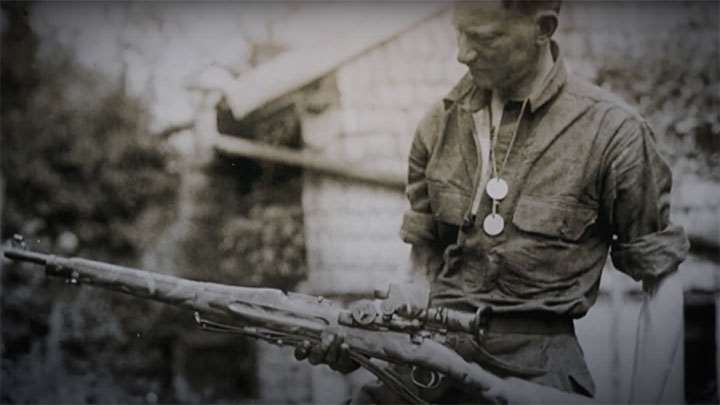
646,246
652,256
417,228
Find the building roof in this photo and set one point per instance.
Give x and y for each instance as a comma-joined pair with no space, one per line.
295,69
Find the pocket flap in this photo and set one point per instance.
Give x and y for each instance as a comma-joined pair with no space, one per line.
553,218
448,204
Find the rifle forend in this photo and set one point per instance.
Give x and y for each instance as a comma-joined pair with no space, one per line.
246,305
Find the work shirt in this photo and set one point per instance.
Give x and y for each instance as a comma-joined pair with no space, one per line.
585,177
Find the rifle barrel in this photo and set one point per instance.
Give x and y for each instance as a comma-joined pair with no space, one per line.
27,256
205,297
173,290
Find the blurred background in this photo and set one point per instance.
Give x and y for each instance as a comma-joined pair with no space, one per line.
265,144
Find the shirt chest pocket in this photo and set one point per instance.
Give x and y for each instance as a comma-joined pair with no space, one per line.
552,218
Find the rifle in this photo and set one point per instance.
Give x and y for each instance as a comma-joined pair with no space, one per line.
372,331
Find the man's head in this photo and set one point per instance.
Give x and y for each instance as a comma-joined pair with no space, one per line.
501,41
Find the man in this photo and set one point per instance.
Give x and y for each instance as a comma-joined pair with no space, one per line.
520,181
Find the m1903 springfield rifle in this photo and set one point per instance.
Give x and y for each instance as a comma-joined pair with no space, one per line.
373,330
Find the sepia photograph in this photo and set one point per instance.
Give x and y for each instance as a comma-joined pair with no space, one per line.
360,202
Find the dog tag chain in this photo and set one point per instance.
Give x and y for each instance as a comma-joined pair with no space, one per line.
497,188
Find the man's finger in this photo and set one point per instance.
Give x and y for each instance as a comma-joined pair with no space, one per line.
333,352
344,353
327,343
318,352
302,350
345,364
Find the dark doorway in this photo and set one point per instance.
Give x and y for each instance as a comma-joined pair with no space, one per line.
700,349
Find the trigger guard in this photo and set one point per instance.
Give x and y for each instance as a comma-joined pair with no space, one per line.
434,382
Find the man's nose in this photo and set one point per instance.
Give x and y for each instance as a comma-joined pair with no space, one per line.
466,54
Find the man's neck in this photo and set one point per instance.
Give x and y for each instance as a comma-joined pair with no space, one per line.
534,80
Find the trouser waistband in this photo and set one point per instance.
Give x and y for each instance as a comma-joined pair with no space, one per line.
531,324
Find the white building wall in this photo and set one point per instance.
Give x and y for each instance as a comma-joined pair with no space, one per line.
385,92
352,229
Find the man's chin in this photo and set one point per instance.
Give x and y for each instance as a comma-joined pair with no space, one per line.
481,81
480,77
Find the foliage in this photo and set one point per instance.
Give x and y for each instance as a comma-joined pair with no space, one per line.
247,226
270,242
254,216
78,160
675,82
78,165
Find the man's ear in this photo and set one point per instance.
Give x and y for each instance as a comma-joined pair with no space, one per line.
546,22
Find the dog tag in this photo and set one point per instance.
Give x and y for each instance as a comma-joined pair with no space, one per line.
493,224
497,188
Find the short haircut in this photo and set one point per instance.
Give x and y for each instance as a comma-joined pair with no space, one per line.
529,7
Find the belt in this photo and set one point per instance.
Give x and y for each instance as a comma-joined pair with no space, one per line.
526,323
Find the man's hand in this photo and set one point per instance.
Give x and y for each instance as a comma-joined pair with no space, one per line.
332,350
407,300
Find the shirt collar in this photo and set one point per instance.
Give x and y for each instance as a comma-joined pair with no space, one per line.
470,98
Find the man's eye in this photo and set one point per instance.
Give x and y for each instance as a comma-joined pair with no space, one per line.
483,38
